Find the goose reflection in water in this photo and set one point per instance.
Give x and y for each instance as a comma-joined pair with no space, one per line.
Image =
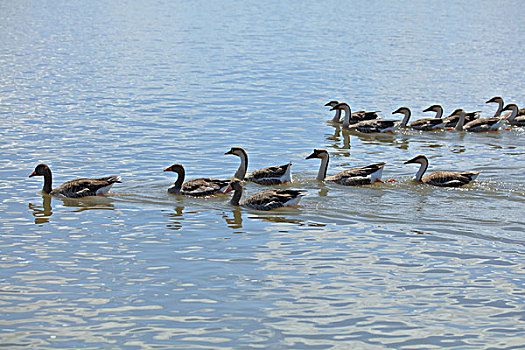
42,213
176,219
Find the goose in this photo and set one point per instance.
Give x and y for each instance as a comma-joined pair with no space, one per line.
424,124
198,187
337,115
273,175
451,121
514,118
441,178
75,188
477,125
351,177
267,200
354,117
365,126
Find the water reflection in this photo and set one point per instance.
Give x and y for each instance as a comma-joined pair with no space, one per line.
42,213
176,218
236,221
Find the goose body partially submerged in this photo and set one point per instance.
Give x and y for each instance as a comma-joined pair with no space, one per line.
424,124
352,177
477,125
267,200
75,188
349,116
365,126
451,121
441,178
273,175
197,187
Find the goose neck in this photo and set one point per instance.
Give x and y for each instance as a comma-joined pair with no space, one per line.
321,174
421,171
461,121
406,118
48,181
500,108
237,194
241,171
337,116
346,120
513,113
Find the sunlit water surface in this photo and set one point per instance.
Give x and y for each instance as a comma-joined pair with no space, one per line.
99,88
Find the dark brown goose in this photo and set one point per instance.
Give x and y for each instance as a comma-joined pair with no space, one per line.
451,121
75,188
365,126
352,177
198,187
424,124
477,125
514,118
267,200
353,117
273,175
441,178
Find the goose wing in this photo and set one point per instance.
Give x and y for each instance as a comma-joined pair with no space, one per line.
272,175
203,187
485,124
372,126
357,176
272,199
86,187
450,178
426,124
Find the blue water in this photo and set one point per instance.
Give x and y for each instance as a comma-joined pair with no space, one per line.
99,88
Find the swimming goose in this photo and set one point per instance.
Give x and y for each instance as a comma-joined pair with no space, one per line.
451,121
351,177
273,175
75,188
197,187
354,117
365,126
477,125
441,178
424,124
514,118
267,200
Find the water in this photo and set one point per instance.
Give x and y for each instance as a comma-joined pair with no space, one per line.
100,88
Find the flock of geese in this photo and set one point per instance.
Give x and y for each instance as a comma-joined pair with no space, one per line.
361,121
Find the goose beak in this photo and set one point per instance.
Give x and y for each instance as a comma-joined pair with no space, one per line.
168,169
33,174
229,188
311,156
428,109
410,161
229,152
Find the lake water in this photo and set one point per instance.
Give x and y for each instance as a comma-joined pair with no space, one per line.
99,88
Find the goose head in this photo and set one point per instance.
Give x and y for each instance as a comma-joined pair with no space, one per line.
495,99
402,110
510,107
342,105
40,170
420,159
237,151
318,153
331,103
176,168
457,111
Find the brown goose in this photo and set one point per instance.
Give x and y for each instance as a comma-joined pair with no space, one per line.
424,124
267,200
514,118
477,125
198,187
337,115
273,175
365,126
441,178
451,121
354,117
75,188
351,177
